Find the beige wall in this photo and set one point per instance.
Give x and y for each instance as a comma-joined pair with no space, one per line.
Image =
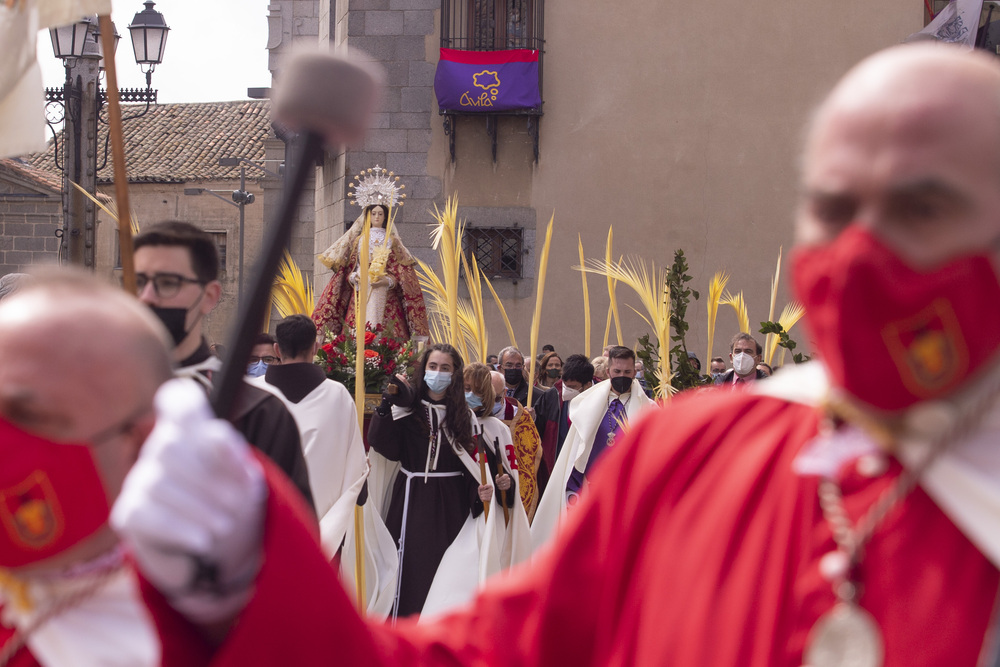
679,124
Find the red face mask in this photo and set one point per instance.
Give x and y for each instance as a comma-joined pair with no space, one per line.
891,335
51,496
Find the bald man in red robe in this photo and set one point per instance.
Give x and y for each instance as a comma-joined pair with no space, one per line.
845,512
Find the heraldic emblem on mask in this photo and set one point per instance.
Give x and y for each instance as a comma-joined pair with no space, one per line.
928,348
29,511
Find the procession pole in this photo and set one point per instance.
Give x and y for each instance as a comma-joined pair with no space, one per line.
482,475
360,319
503,492
118,155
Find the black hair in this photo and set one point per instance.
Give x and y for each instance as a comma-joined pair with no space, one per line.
456,418
264,338
578,368
200,246
296,334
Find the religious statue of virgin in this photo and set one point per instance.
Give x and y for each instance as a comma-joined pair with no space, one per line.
394,297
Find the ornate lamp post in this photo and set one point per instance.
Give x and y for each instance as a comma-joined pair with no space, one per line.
79,103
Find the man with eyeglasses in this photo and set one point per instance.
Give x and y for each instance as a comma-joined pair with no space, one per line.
177,270
262,355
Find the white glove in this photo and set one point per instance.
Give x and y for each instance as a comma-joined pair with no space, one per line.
192,507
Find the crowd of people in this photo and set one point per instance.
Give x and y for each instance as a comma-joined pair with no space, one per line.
844,511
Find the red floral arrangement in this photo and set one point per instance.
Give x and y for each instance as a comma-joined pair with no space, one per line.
384,357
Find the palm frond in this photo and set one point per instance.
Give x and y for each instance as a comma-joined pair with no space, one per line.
503,311
446,238
536,320
771,341
715,289
790,314
291,292
740,306
608,257
650,284
474,281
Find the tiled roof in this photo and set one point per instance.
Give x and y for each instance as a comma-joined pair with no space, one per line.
45,179
176,143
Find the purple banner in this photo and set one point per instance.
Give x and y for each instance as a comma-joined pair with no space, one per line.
485,81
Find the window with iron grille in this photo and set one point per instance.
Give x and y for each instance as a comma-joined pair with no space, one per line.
220,244
498,250
490,25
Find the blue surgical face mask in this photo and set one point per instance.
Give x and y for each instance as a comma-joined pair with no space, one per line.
716,376
497,407
473,400
257,369
437,381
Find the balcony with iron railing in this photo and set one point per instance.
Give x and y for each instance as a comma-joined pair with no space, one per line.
494,25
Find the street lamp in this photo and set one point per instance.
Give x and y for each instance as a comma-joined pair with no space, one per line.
79,102
240,199
149,39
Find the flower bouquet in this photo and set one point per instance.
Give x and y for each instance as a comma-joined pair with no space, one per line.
384,357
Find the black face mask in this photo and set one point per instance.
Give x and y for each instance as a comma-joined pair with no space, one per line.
174,320
621,383
512,376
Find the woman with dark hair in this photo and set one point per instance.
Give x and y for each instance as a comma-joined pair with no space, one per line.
394,297
548,370
484,548
425,432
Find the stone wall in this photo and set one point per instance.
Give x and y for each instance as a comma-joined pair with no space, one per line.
30,214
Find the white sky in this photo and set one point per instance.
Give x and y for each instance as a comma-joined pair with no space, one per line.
216,49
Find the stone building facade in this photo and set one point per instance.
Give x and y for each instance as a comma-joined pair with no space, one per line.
30,216
678,126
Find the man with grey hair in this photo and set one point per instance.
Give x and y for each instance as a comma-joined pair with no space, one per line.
846,511
744,352
511,362
73,417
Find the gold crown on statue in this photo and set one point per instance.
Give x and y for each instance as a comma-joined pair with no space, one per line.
377,186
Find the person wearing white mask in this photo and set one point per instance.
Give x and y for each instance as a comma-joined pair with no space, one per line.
744,352
424,474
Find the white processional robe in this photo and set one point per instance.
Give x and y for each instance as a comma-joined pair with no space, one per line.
585,412
484,546
493,543
335,459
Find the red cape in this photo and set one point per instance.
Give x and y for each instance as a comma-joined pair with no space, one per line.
696,545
